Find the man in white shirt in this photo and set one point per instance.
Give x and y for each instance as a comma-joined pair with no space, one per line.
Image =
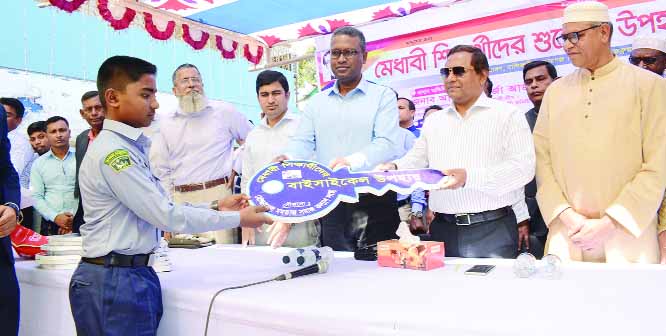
266,141
21,151
192,151
485,148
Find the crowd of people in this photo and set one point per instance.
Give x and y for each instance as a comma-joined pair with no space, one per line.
581,175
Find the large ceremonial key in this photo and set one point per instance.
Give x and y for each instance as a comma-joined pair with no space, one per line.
296,191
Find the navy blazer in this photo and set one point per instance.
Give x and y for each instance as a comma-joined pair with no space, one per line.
10,190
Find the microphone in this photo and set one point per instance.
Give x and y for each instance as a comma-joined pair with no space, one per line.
320,267
307,255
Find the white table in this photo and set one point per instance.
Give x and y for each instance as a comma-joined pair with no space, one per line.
361,298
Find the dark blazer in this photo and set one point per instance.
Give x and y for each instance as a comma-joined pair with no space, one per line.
10,190
79,153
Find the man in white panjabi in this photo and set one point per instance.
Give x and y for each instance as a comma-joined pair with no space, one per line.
601,149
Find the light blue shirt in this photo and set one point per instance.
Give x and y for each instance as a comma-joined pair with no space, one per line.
52,183
361,126
124,203
418,197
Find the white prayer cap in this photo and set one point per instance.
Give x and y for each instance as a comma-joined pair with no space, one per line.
586,11
650,42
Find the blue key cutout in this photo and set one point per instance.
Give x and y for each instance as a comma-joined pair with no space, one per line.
300,190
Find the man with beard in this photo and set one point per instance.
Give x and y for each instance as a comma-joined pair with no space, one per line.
537,76
353,124
52,180
192,151
601,168
93,113
649,53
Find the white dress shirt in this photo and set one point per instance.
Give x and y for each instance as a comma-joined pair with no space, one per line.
264,143
492,142
21,152
196,147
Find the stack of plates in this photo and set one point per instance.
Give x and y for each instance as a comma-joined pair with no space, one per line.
62,252
57,262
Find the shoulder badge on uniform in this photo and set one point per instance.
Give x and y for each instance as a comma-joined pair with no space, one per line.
118,160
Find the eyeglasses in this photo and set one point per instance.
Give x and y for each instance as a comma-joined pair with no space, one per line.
346,53
573,37
458,71
185,81
646,60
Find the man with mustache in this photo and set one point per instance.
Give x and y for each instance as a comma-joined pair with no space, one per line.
353,124
192,150
52,180
537,76
601,168
485,148
93,113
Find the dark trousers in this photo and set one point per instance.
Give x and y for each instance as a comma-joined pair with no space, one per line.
492,239
9,296
345,228
48,228
77,221
122,301
28,217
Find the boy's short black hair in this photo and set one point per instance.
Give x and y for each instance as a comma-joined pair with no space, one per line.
118,71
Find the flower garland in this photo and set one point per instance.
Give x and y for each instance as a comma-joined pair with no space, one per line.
67,6
117,24
197,45
227,54
253,59
154,31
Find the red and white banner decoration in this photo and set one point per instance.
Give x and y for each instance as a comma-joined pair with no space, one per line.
162,27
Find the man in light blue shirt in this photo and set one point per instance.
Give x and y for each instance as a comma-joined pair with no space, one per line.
52,179
114,290
353,124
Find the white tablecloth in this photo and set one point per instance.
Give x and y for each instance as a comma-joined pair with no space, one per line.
361,298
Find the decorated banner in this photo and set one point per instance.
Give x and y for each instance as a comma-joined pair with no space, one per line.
296,191
410,63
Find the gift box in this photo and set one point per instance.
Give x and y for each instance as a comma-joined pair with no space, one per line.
424,255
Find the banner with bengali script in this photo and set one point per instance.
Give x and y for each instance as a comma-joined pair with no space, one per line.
410,63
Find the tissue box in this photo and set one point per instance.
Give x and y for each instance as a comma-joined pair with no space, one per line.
425,255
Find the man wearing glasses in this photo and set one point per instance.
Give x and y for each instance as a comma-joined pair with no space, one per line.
485,148
93,113
353,124
192,151
601,167
52,180
649,53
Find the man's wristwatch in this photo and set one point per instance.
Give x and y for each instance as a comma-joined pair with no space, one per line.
215,205
16,209
417,214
